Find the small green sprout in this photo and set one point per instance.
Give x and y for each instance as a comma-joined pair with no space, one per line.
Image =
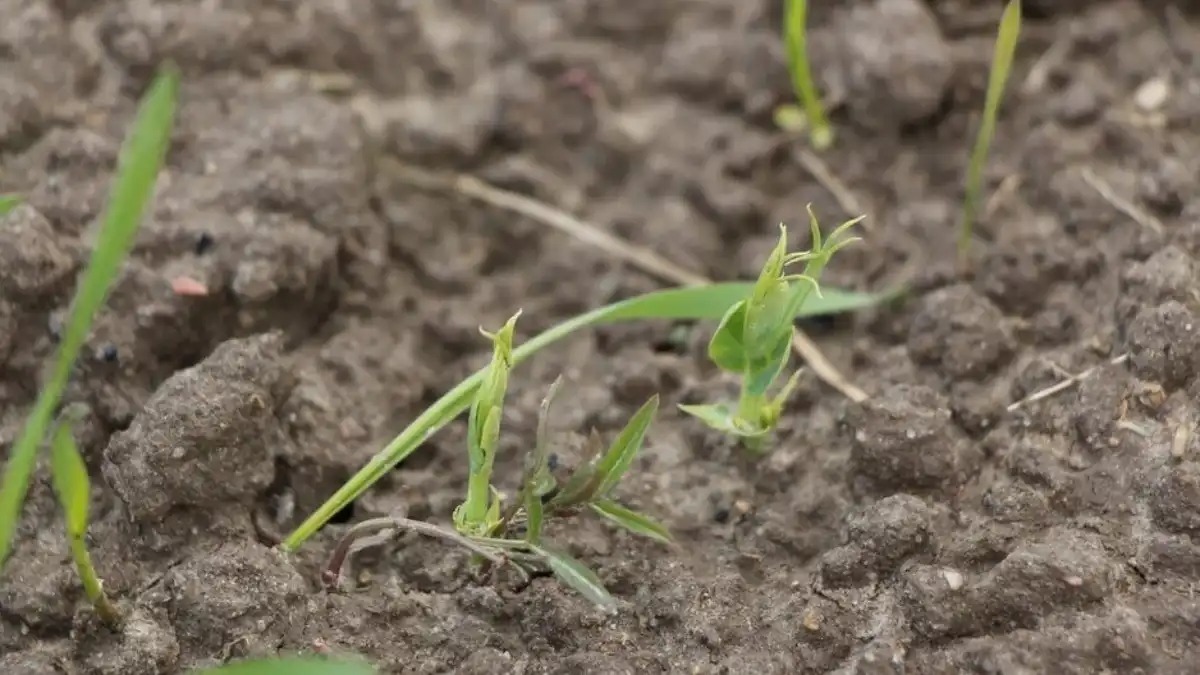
480,513
73,488
754,337
8,203
138,166
790,117
514,534
693,303
1002,59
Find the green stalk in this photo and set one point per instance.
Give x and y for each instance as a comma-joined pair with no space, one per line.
689,303
92,586
795,36
1002,59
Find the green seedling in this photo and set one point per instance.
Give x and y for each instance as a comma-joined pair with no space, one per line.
1002,59
708,302
754,337
513,534
296,665
140,160
480,513
812,113
73,488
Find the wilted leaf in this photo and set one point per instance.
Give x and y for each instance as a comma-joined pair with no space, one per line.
631,520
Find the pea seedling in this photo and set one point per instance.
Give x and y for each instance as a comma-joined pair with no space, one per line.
812,114
1002,59
73,488
513,534
754,338
139,163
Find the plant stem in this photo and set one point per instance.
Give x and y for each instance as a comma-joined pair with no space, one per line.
367,528
92,586
479,493
796,39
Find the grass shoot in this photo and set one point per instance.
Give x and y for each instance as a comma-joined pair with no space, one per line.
811,114
141,158
8,203
708,303
512,534
1002,59
754,337
292,665
71,484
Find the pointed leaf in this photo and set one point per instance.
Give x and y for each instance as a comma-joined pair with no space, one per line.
725,348
720,416
620,455
70,478
631,520
576,575
309,665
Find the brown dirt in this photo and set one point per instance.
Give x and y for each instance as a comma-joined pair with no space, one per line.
928,530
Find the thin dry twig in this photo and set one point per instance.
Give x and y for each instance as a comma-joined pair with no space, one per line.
1065,384
644,259
1108,194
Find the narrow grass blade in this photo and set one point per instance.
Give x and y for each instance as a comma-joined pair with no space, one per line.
631,520
8,203
1002,59
70,478
576,575
795,37
140,160
687,303
627,445
291,666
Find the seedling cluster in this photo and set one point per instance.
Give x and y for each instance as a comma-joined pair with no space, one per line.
752,341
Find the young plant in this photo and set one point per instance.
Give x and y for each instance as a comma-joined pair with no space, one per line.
294,665
1002,59
139,163
812,114
513,533
689,303
754,338
73,488
8,203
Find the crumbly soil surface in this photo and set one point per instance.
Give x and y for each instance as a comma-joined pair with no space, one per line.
929,529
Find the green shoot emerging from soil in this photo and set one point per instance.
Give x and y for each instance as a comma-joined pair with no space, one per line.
73,488
812,114
295,665
513,533
481,512
690,303
1002,59
8,203
141,157
754,338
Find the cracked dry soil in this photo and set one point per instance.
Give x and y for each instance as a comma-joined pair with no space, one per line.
929,529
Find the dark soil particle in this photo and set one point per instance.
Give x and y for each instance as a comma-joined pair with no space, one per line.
928,529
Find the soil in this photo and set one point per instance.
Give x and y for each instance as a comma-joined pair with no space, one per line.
929,529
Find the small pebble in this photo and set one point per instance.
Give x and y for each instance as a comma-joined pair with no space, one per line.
1152,94
108,353
954,579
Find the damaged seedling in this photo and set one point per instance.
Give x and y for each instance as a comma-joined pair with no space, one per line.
511,534
1002,59
754,338
73,488
811,112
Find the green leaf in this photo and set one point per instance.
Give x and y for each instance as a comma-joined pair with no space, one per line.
721,417
584,481
141,157
576,575
710,302
8,203
1002,59
292,666
725,348
795,37
70,478
631,520
621,453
